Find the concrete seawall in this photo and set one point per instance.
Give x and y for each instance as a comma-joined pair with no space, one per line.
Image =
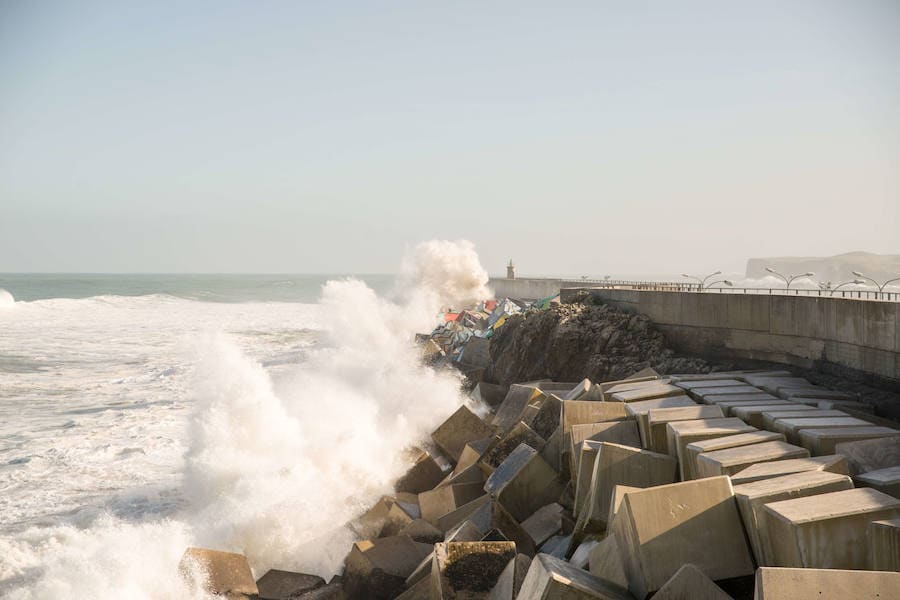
525,288
850,337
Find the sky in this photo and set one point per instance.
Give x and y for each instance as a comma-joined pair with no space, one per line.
596,138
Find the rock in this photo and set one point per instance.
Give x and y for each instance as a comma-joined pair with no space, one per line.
462,426
824,584
752,497
377,569
286,585
223,573
660,529
468,570
689,583
551,578
826,531
693,449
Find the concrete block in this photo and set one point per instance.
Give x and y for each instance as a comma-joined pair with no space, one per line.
510,410
729,407
791,427
558,545
333,590
702,394
451,520
462,426
552,451
752,497
582,555
813,392
584,473
551,578
577,412
833,463
422,531
744,397
870,455
618,494
423,475
732,460
618,465
519,434
547,418
286,585
579,390
510,581
223,573
658,418
546,522
660,529
471,474
884,480
884,545
864,447
616,432
378,569
681,433
614,387
799,411
640,411
693,449
489,393
647,393
823,584
605,562
826,531
523,483
419,590
397,518
472,453
689,583
845,404
468,570
440,501
707,383
751,414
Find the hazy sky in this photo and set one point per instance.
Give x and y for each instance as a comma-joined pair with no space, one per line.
595,138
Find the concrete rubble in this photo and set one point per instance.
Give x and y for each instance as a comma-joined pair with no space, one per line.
577,470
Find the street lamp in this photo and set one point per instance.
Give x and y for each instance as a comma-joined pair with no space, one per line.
790,278
879,286
702,282
856,281
725,281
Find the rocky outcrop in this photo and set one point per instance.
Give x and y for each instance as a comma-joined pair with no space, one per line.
572,341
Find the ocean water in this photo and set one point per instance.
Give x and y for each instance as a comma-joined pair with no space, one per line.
141,414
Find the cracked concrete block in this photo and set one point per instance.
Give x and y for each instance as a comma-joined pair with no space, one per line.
826,531
732,460
774,583
693,449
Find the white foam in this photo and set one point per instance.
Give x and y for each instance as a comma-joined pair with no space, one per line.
6,299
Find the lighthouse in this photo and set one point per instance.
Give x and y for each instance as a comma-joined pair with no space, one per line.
510,270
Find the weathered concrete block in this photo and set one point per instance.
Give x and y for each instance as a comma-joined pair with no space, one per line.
659,529
577,391
551,578
489,393
440,501
884,545
422,531
799,411
745,407
618,494
690,583
826,531
732,460
546,522
823,584
606,562
616,432
510,410
752,497
548,416
708,383
523,483
519,434
286,585
462,426
553,450
379,568
757,396
660,417
703,393
423,475
693,449
681,433
624,385
582,554
791,427
834,463
618,465
397,517
647,393
845,404
223,573
510,581
468,570
884,480
866,448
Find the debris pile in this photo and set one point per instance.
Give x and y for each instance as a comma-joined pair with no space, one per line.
683,486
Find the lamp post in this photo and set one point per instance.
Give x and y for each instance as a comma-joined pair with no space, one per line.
878,285
837,287
724,281
701,282
788,280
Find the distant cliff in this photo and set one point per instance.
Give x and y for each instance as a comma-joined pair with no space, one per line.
834,268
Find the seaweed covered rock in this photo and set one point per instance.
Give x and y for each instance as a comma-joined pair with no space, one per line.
572,341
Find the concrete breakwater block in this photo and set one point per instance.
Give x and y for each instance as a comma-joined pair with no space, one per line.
751,412
647,393
834,463
378,569
546,522
792,427
422,476
523,483
701,394
707,383
732,460
689,583
222,573
551,578
774,583
681,433
824,441
468,570
510,581
461,427
660,529
519,434
870,455
440,501
286,585
826,531
658,418
757,396
605,561
614,387
752,497
884,480
884,545
800,411
640,411
693,449
617,432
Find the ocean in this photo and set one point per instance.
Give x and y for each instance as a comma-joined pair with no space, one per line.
142,414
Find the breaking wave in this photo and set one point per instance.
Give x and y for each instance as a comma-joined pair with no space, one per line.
6,299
